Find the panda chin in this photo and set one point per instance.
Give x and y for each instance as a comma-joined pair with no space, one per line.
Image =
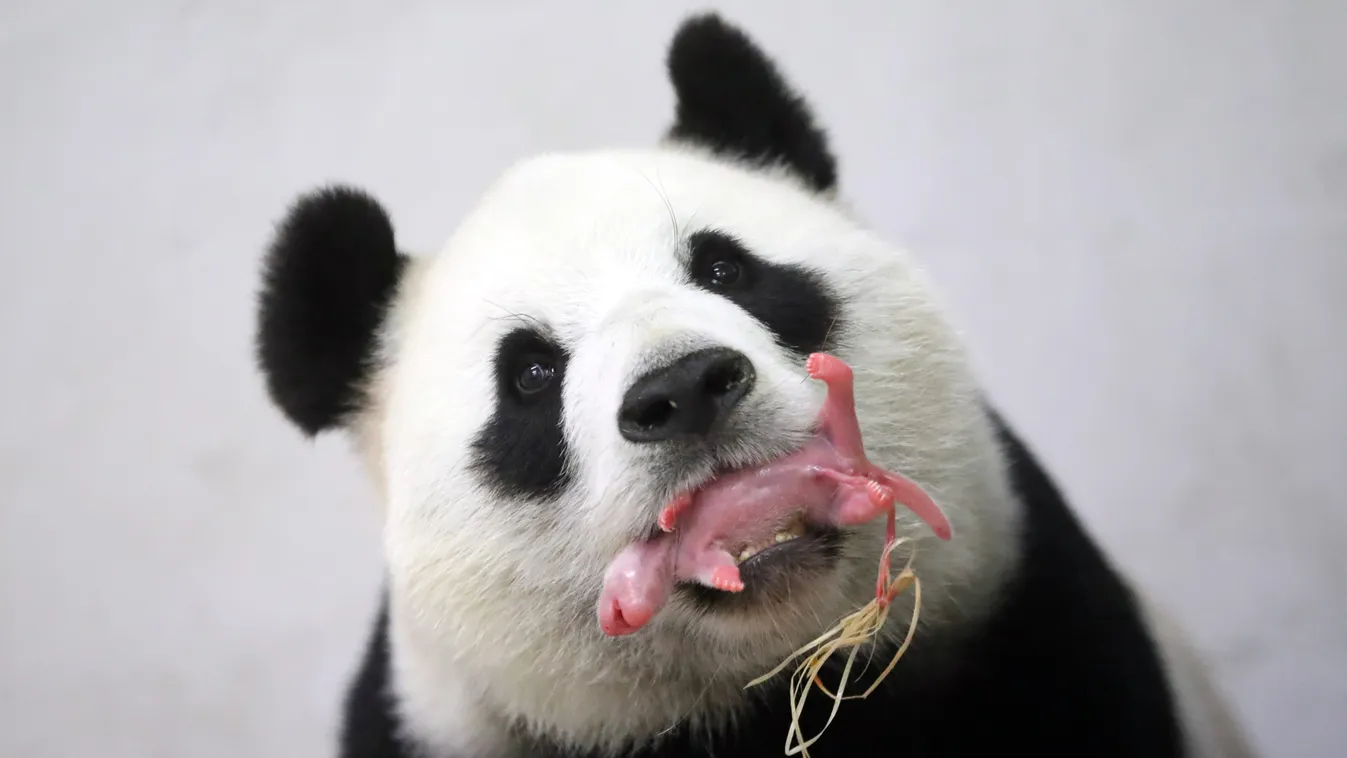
775,573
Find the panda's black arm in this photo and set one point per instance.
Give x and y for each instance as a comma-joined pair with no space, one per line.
369,728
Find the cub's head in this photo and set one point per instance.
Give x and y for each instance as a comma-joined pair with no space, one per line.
603,331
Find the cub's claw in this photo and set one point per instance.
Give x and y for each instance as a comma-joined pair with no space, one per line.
726,579
827,368
668,517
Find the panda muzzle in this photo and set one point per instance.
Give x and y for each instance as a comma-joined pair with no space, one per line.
705,532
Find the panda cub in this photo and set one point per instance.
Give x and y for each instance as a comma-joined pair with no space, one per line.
608,331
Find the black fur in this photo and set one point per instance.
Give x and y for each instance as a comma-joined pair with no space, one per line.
732,100
794,302
521,450
328,277
1064,667
370,728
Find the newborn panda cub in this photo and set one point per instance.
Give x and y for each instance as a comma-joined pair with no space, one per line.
621,352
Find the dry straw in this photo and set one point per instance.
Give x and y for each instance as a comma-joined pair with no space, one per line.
850,633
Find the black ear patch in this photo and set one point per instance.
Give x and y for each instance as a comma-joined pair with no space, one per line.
328,277
732,99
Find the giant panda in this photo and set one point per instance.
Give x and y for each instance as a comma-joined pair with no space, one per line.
608,328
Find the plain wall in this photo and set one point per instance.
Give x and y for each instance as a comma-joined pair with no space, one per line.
1136,209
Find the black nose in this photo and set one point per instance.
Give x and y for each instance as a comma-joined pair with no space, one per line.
686,399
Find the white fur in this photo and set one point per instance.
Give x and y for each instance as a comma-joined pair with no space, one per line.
1210,727
492,602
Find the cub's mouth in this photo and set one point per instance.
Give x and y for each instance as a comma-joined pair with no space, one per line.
750,534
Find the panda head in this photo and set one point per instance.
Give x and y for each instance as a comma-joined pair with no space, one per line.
491,389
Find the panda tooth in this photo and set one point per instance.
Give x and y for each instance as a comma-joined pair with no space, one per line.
792,531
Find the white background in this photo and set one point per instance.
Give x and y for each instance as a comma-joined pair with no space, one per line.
1137,209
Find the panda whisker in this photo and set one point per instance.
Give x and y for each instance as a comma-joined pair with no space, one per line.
832,324
663,196
687,225
701,696
514,315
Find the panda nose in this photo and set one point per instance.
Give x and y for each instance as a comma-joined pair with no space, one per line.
687,399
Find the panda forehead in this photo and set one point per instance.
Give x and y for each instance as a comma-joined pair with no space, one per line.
572,304
575,209
565,289
560,242
558,231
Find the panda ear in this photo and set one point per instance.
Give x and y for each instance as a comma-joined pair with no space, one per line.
328,277
732,100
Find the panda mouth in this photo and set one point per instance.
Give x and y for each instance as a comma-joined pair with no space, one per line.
794,529
773,570
744,532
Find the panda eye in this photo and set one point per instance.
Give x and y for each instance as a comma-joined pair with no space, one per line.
718,262
534,377
725,273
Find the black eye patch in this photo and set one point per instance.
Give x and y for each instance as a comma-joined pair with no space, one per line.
794,302
521,450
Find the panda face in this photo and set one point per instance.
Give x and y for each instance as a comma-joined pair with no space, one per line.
606,329
511,479
578,278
